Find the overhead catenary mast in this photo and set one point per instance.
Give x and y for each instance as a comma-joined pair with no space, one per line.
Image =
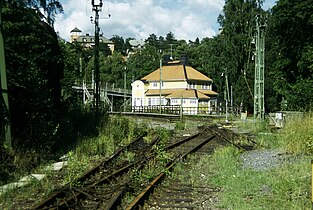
259,109
96,7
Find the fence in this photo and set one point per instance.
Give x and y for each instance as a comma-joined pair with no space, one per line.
174,109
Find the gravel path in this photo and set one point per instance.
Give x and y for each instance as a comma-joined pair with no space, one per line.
263,159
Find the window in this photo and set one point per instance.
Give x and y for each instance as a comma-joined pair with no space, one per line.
149,102
205,87
193,101
192,85
157,101
174,101
154,84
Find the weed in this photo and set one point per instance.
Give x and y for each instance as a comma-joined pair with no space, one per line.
180,125
284,187
297,136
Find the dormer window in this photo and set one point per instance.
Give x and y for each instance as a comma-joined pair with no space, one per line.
205,87
192,85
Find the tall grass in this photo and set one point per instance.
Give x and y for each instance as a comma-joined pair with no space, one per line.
118,131
284,187
297,136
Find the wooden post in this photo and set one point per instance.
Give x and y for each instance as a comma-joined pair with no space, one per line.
312,183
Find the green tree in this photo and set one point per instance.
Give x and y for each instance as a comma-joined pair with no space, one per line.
290,46
237,22
143,62
50,7
35,67
112,69
119,44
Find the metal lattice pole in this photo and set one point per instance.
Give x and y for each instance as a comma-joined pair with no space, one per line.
259,109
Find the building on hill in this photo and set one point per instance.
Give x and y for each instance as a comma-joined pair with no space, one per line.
181,86
88,40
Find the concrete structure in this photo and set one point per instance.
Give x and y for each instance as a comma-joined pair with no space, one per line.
88,40
175,84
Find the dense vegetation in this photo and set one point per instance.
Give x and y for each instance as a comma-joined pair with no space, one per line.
46,113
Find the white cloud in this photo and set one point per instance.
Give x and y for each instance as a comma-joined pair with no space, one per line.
140,18
187,19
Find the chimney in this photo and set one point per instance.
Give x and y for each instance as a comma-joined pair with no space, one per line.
184,60
166,59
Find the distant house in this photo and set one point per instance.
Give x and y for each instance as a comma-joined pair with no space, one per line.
88,40
181,85
136,44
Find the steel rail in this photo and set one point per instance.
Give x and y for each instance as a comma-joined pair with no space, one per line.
60,193
144,195
227,140
116,200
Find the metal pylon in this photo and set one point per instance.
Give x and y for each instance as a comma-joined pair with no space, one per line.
259,109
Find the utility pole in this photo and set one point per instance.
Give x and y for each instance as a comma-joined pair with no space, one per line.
96,8
4,98
125,68
259,109
161,85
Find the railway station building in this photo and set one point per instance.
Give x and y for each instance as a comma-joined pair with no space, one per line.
175,85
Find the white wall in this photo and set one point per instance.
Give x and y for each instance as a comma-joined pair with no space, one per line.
138,93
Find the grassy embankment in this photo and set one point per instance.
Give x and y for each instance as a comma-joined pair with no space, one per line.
286,186
88,152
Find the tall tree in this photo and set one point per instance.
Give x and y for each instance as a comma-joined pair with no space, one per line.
49,7
237,22
290,46
119,44
35,67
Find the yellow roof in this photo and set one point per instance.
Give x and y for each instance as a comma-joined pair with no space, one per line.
152,92
178,93
175,71
208,92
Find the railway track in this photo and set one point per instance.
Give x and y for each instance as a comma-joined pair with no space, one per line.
176,194
107,172
104,186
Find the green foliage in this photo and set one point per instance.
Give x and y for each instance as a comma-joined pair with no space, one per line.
163,133
180,125
120,46
35,66
283,187
112,69
78,163
297,136
120,129
50,8
238,27
290,52
141,64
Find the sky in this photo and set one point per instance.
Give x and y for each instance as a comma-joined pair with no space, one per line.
186,19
